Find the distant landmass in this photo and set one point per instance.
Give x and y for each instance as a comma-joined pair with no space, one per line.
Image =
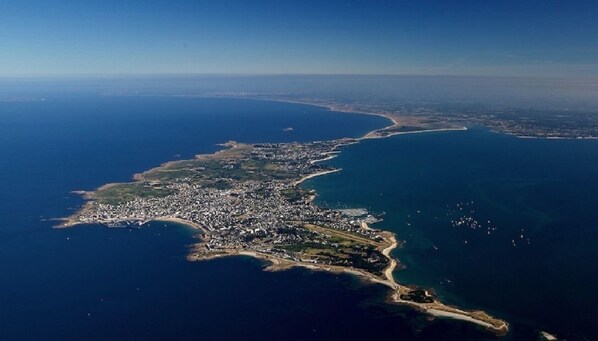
517,121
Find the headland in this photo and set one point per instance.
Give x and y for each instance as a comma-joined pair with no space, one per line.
246,200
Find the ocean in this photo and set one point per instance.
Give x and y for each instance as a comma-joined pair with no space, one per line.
489,221
92,282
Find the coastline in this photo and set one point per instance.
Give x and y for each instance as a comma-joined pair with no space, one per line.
369,137
439,310
329,107
307,177
435,309
181,222
394,119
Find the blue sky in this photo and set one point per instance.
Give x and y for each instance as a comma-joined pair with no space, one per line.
531,38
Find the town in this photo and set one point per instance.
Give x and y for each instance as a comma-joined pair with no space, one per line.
246,198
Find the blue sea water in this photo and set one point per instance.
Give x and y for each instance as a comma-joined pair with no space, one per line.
96,283
91,282
489,221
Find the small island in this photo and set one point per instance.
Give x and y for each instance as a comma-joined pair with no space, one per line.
246,200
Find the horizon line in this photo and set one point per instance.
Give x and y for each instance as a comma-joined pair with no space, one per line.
248,74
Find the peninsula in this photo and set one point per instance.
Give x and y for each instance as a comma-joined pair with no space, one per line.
246,200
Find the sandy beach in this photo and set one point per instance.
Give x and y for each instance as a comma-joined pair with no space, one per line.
392,263
314,175
182,222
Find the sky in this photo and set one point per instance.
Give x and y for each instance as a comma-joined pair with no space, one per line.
512,38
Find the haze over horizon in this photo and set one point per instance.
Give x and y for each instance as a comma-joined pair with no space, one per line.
508,38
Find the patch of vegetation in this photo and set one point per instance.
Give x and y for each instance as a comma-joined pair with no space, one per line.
299,247
120,193
405,129
343,235
218,184
295,193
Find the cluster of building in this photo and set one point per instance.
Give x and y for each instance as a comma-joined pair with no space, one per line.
258,209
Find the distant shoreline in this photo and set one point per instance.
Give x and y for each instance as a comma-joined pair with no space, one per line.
393,118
